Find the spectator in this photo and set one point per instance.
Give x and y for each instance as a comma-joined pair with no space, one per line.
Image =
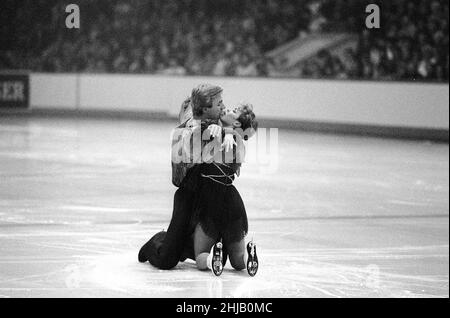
180,37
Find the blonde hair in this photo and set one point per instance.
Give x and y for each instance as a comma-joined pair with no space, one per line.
202,96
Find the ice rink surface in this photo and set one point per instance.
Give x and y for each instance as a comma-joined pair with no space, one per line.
340,216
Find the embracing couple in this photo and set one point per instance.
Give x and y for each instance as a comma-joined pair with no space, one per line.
209,222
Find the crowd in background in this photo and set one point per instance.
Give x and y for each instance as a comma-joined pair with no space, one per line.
224,37
411,43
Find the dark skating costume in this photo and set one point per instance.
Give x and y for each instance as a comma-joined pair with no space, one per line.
166,248
218,207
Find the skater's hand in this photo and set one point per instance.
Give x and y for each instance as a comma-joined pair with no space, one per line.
215,130
228,142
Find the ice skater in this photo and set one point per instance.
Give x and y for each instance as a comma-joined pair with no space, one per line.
219,216
184,237
166,248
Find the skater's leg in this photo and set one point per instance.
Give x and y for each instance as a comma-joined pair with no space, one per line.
170,251
202,247
243,256
237,254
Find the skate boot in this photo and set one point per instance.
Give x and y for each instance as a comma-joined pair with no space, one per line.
151,247
216,259
252,259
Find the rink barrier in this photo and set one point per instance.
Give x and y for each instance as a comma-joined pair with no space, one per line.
438,135
391,109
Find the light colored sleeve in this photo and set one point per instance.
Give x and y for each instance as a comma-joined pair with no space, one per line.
191,139
185,111
240,149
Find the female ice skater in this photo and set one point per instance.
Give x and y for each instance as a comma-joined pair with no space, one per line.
219,216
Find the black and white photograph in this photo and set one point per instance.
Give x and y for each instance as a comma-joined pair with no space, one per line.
224,149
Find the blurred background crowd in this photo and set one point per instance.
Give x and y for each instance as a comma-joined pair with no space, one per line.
225,37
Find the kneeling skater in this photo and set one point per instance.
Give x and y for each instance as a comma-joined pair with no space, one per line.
219,214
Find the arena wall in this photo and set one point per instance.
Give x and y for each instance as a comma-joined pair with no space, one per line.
351,103
57,91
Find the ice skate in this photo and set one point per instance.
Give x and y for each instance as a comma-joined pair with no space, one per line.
252,259
216,259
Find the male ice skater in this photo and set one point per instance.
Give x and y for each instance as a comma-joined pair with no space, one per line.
165,249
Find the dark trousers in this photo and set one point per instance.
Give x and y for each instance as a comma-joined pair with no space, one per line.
166,249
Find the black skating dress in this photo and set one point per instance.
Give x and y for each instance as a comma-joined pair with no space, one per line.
218,206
